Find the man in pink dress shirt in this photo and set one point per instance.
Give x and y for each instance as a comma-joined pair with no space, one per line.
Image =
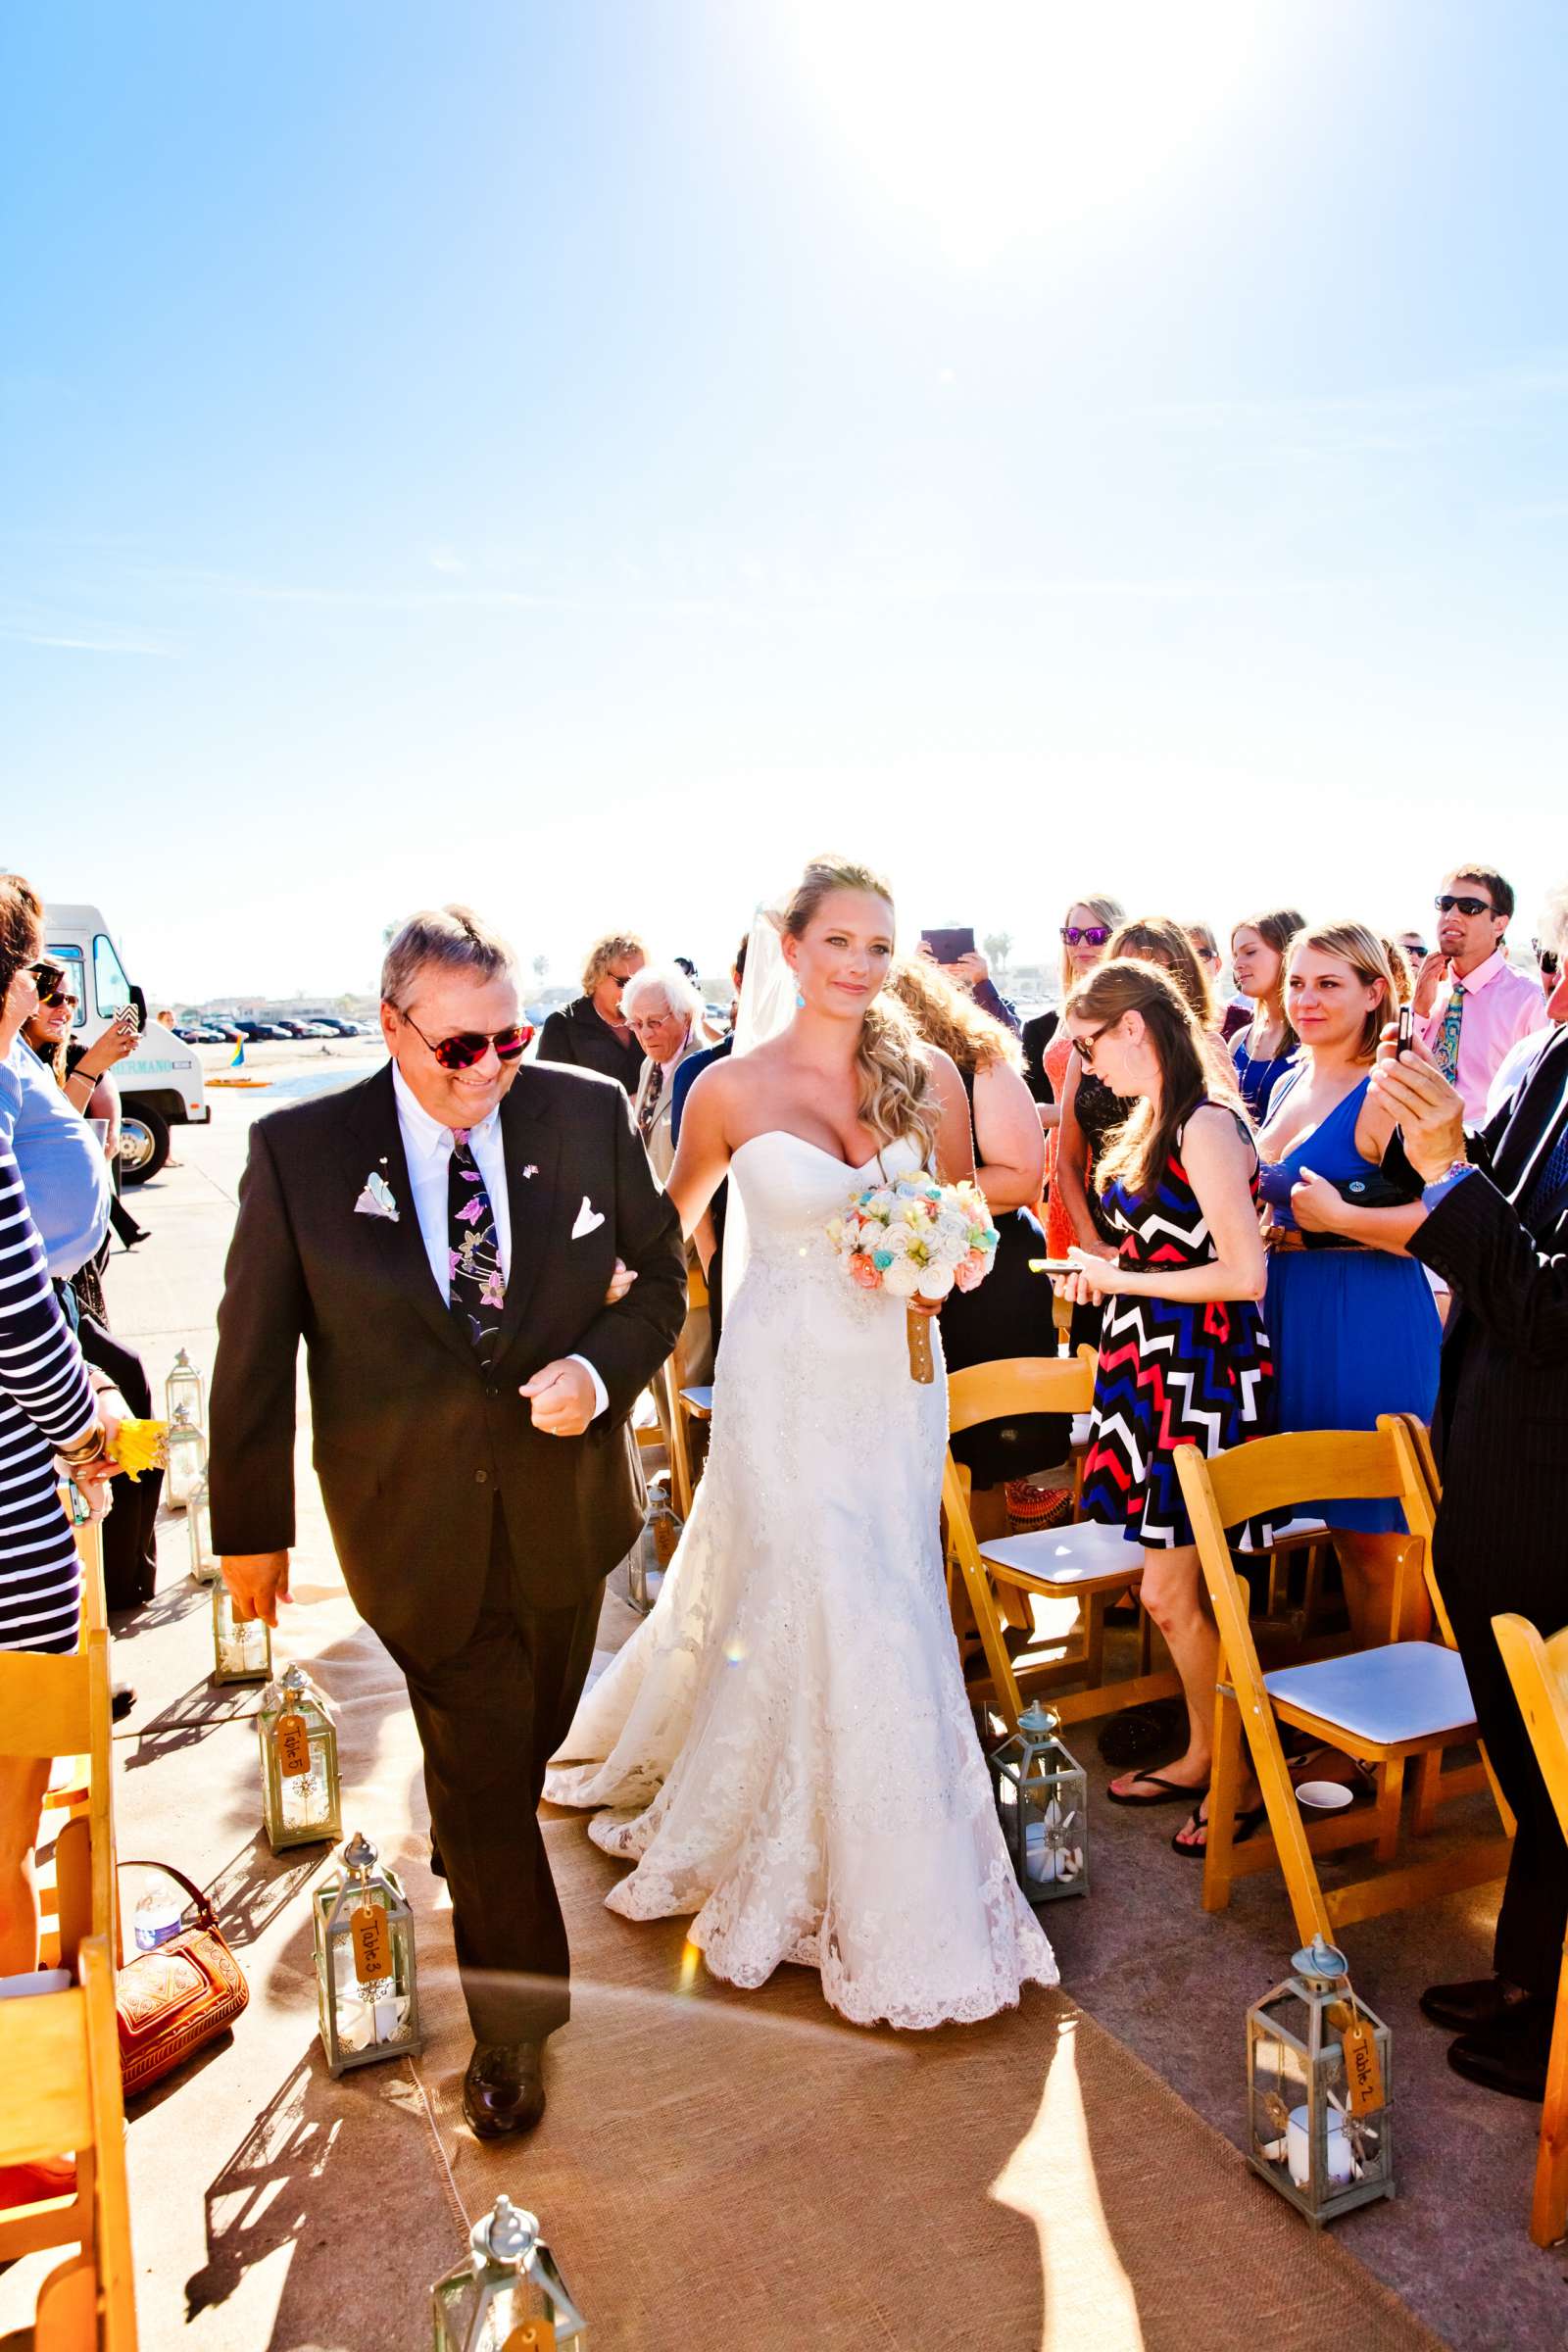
1470,1005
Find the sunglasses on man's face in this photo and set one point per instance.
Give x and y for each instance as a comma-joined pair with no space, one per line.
1444,905
470,1046
1090,935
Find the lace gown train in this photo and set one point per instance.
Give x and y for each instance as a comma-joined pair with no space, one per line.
785,1744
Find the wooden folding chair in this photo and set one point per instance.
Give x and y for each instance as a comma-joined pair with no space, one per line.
60,2095
1539,1672
58,1708
1087,1563
1383,1706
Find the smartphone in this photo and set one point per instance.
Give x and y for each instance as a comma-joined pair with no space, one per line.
127,1020
1404,1038
1054,1265
951,946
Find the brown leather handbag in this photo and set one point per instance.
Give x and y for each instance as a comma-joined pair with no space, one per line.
172,1999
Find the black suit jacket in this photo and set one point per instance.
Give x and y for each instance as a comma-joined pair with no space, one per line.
1501,1423
575,1035
414,1442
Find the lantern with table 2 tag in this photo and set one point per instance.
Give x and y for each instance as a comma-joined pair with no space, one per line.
183,1386
187,1458
364,1971
199,1528
300,1793
1319,2091
242,1647
508,2295
1041,1803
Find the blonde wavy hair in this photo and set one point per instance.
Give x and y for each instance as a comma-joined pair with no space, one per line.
605,952
1363,951
946,1017
896,1096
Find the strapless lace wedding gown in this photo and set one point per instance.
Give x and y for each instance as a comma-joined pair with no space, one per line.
785,1742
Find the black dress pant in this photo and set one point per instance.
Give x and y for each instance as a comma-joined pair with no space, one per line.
131,1531
1534,1912
489,1719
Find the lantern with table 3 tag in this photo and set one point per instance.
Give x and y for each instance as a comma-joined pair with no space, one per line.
301,1802
365,1968
187,1458
1319,2089
183,1386
199,1529
1041,1803
509,2296
242,1646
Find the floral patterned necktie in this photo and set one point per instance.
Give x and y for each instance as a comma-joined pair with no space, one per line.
1445,1049
473,1250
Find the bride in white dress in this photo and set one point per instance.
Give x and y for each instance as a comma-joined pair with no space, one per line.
785,1744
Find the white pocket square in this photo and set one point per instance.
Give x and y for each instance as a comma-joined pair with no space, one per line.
589,1219
377,1199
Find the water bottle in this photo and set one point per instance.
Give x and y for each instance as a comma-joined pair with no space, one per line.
156,1918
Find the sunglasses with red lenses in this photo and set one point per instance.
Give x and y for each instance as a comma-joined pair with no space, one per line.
462,1052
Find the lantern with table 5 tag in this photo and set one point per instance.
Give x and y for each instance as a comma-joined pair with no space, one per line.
1041,1803
509,2296
187,1458
298,1740
1319,2091
242,1646
364,1971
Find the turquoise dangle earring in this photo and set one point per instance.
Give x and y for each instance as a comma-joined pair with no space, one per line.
799,1002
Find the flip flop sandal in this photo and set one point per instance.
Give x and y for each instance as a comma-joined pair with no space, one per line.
1170,1793
1246,1823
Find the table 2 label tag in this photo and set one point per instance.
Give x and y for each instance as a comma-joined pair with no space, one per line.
534,2336
372,1942
1363,2069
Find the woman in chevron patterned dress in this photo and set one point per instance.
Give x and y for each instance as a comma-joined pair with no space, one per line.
1184,1359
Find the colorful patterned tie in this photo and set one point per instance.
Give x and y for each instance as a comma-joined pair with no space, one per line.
1551,1178
478,1285
650,1110
1447,1048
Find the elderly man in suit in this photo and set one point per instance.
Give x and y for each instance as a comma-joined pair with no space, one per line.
445,1238
664,1010
1496,1229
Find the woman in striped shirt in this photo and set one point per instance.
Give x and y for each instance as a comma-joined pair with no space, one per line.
47,1408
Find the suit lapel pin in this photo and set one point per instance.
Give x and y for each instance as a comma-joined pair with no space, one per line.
530,1170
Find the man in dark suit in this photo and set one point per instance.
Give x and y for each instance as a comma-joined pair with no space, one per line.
1496,1231
444,1238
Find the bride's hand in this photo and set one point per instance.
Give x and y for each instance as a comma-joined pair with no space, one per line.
620,1282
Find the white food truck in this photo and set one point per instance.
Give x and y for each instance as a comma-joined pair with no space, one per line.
161,1083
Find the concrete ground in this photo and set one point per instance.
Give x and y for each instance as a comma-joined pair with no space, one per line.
248,2222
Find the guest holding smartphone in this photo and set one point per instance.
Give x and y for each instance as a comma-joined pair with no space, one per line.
1355,1326
1184,1352
1265,1050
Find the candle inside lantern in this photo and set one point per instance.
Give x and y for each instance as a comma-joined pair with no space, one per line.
1299,2150
302,1798
1053,1850
366,2014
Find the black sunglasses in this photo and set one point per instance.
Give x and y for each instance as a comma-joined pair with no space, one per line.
1089,935
462,1052
60,994
1445,903
1084,1047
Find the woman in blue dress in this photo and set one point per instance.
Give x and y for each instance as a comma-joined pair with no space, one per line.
1356,1330
1267,1048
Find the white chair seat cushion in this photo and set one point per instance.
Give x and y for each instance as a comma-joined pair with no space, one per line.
1080,1428
1294,1530
1068,1555
699,1399
1407,1691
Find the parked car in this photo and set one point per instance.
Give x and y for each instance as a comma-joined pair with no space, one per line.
335,1027
256,1032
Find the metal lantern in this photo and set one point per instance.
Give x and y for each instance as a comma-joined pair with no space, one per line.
187,1458
1042,1804
183,1386
509,2296
242,1646
364,1971
301,1802
1319,2091
653,1548
199,1528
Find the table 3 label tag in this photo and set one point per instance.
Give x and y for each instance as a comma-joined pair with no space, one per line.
372,1942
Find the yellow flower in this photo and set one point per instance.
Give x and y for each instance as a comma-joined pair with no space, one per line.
141,1445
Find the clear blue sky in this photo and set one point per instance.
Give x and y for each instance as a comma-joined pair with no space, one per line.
582,457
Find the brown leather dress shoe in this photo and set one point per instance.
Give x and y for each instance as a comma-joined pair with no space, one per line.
504,2088
1481,2001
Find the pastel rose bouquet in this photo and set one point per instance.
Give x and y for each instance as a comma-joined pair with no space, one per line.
915,1238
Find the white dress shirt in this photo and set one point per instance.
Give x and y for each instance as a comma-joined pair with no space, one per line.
427,1148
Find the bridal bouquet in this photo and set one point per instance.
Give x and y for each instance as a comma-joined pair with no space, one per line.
915,1238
